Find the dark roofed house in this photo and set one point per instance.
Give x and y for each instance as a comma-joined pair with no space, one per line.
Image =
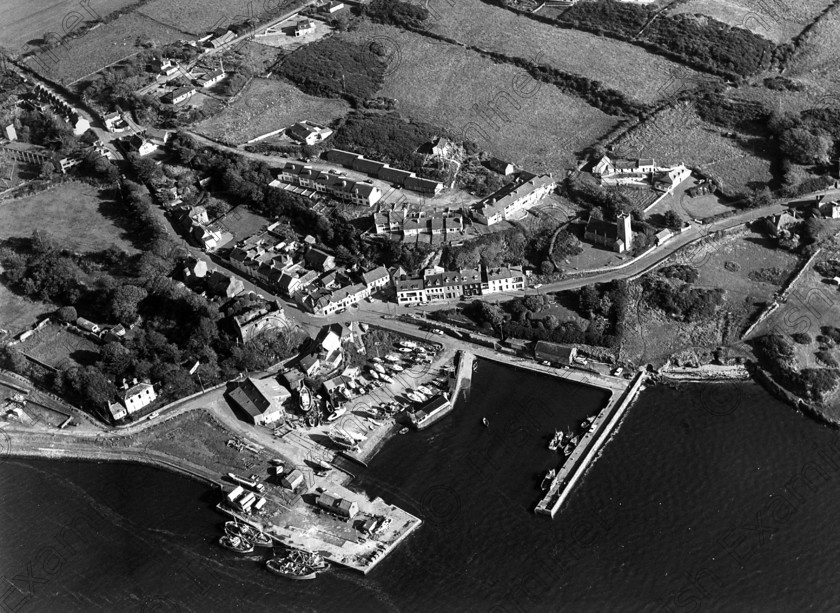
423,186
261,399
317,259
500,166
394,175
340,506
378,277
344,158
554,353
369,167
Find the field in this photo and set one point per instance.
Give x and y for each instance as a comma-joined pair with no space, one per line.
457,89
776,21
200,17
816,62
743,265
678,135
100,47
71,213
619,65
268,105
17,313
26,22
56,346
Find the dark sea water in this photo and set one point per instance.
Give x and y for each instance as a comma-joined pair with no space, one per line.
710,497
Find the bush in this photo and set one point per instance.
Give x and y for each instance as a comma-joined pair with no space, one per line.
826,357
335,68
67,314
801,338
683,272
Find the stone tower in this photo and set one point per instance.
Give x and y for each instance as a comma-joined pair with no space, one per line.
625,232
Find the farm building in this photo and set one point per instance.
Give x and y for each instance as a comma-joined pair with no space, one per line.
211,78
137,396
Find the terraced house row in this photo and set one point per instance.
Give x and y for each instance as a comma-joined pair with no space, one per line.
437,284
360,193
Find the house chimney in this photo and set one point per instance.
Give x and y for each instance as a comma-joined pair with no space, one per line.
134,381
124,384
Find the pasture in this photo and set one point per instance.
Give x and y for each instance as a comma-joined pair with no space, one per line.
60,348
816,61
498,106
776,21
616,64
198,18
679,135
25,23
107,44
267,105
71,213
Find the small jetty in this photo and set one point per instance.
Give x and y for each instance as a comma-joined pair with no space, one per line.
587,450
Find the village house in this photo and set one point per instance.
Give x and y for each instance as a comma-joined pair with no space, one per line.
517,196
616,236
500,166
361,193
304,27
317,259
179,94
376,279
211,78
663,236
260,399
502,279
132,399
220,37
310,364
438,285
331,7
140,145
220,284
114,122
309,132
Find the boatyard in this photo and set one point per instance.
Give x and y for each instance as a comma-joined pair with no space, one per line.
342,526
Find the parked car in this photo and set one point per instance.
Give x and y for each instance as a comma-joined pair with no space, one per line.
617,372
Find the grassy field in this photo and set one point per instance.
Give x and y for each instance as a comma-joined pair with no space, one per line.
56,346
200,17
678,135
103,46
817,59
621,66
458,89
744,265
26,22
778,22
268,105
17,313
70,212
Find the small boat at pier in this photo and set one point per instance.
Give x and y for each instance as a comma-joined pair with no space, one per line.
556,440
485,422
549,477
236,544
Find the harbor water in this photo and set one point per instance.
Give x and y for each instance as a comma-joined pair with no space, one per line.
710,497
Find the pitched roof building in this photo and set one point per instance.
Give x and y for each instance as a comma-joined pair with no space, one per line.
261,399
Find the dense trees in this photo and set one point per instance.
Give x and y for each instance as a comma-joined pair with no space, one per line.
397,13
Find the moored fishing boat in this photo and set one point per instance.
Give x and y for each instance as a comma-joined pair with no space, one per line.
236,544
305,399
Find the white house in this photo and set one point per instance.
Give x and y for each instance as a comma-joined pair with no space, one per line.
138,396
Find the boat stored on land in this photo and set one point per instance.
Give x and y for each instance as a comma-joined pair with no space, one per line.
305,399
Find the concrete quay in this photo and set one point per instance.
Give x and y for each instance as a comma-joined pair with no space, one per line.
335,538
587,449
